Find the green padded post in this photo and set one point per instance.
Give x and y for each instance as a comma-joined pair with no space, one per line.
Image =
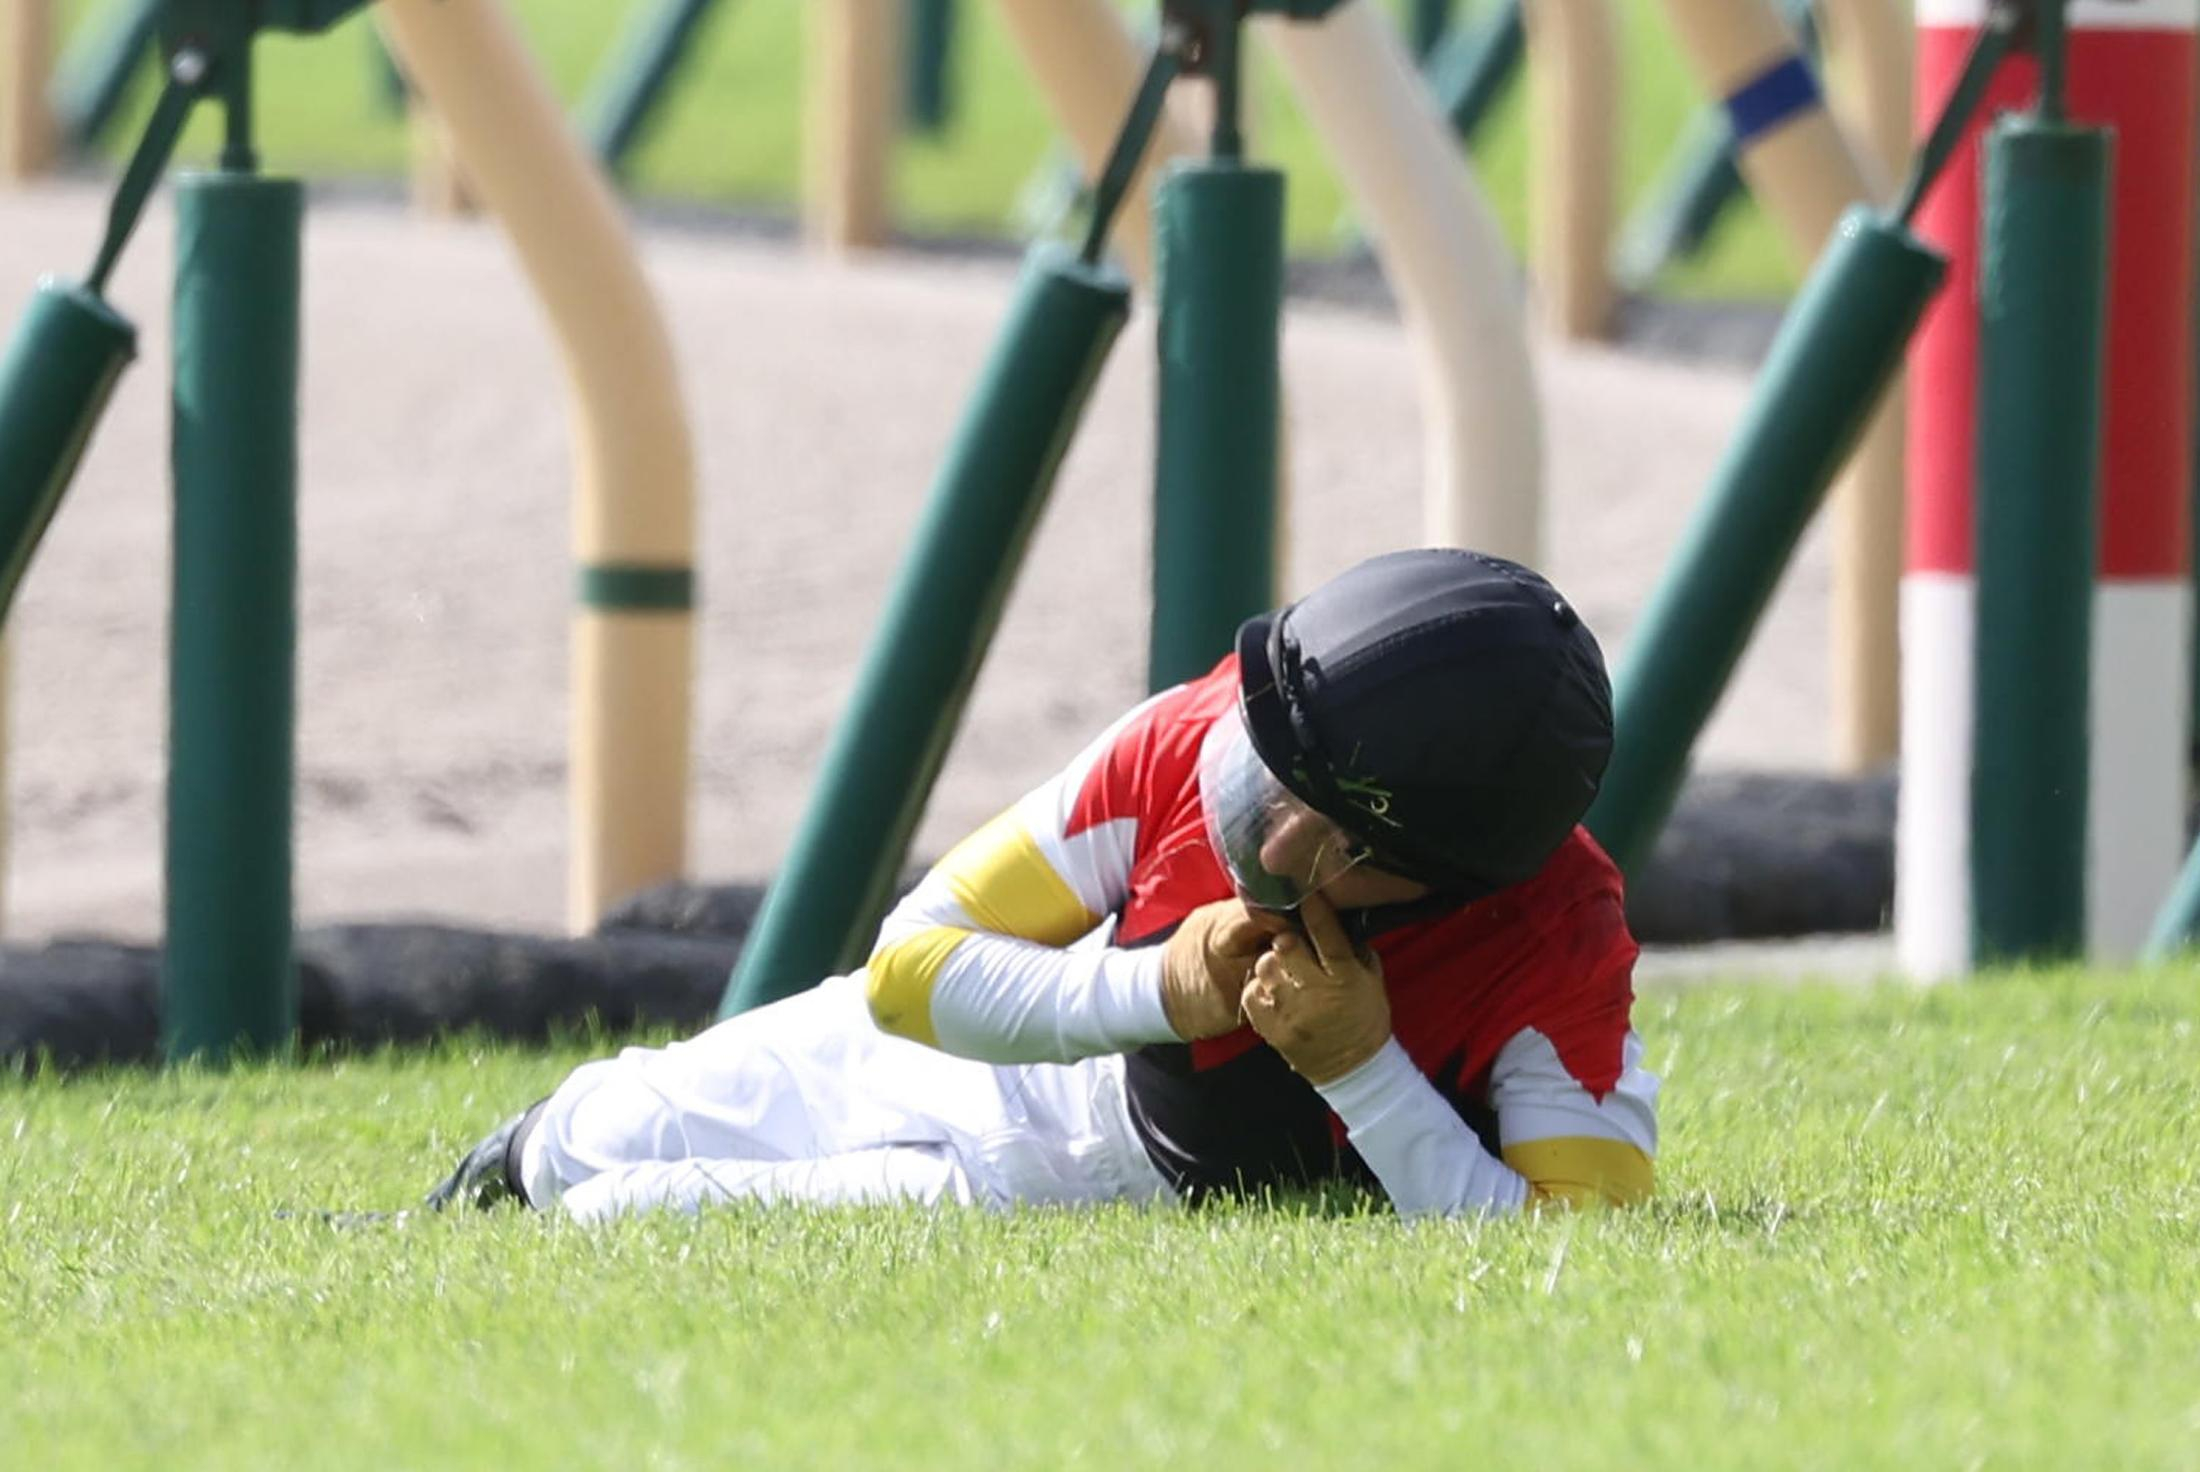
1477,61
2043,269
55,379
226,980
1839,345
1219,263
626,95
825,904
928,58
2178,926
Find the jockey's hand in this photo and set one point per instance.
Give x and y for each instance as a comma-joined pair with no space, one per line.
1205,967
1316,1000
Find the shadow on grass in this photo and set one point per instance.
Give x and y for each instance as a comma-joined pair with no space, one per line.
1748,1214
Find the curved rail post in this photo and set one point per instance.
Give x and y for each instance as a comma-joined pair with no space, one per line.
1573,141
1803,171
1448,262
26,123
1087,65
633,510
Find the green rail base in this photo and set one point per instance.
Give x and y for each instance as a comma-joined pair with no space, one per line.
2177,928
2043,272
1219,230
825,904
56,377
228,987
1839,346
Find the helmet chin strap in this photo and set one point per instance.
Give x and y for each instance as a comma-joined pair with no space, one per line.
1363,923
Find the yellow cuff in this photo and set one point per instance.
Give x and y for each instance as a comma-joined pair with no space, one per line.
1583,1171
900,982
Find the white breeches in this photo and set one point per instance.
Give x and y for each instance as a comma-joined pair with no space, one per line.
806,1100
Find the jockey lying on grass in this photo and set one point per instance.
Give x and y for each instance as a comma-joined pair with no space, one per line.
1324,913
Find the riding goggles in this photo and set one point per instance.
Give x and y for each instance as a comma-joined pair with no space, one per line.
1277,848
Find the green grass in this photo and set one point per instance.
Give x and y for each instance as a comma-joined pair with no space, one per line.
1896,1229
732,131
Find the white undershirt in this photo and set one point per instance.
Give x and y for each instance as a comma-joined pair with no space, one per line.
1427,1158
1014,1001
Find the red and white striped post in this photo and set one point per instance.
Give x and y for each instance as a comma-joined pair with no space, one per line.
2131,68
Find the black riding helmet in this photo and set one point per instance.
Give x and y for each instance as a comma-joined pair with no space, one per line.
1447,709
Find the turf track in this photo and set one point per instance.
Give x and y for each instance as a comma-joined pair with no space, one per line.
1897,1228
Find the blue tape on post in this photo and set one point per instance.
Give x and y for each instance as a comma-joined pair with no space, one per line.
1770,98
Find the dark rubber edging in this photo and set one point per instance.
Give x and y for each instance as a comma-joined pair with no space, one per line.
74,1004
1744,856
1759,856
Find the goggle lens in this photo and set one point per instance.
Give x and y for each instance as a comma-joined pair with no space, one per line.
1277,849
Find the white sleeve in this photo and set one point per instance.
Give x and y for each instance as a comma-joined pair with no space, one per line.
1009,1001
1428,1160
1562,1143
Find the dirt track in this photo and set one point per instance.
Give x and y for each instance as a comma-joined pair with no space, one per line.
435,578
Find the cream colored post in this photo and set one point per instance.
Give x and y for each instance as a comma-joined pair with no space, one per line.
1087,65
26,123
1871,44
1449,265
851,101
634,502
1805,173
1573,142
437,186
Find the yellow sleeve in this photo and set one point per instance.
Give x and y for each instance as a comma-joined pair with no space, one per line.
996,881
